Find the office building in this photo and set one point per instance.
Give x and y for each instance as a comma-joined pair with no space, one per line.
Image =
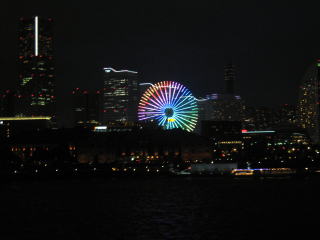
36,68
120,95
229,78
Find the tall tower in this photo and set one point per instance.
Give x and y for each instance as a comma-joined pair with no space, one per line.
229,78
120,95
36,70
309,99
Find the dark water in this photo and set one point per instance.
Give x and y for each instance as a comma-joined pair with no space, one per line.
159,208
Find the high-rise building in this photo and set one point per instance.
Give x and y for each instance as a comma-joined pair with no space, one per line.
36,69
222,107
86,107
120,95
309,99
229,78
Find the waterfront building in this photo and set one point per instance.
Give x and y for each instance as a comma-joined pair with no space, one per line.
36,68
11,126
278,148
225,139
120,95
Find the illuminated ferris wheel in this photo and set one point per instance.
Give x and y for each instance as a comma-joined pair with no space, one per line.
171,104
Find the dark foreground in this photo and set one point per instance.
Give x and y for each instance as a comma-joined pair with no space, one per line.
160,208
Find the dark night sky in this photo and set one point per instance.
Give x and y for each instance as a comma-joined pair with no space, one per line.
271,42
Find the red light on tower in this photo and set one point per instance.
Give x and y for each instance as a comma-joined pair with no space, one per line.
244,130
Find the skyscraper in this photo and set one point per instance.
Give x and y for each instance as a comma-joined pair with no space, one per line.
36,70
229,78
308,105
120,95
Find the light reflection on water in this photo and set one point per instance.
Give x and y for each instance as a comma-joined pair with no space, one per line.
158,208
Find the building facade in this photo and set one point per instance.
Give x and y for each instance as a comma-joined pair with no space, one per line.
229,78
266,118
86,107
120,95
308,105
36,69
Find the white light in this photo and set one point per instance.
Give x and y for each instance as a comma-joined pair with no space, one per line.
36,35
100,128
109,69
142,84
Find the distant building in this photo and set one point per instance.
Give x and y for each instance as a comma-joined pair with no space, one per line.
266,118
229,78
225,138
36,68
221,107
309,99
283,148
120,95
86,107
11,126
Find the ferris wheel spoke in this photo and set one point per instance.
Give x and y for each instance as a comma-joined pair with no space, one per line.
182,100
176,97
156,100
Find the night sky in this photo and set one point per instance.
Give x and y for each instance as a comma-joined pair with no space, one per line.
271,43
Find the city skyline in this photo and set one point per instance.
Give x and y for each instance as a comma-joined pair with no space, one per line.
166,44
144,119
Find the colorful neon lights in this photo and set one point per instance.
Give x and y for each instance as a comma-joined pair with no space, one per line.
271,131
171,104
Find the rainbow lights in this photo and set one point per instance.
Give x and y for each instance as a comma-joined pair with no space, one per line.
171,104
